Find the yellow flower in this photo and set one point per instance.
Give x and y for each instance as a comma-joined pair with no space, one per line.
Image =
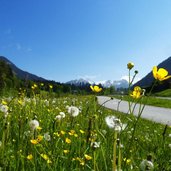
57,134
75,135
81,161
130,65
128,161
67,140
66,151
30,157
34,141
39,138
20,102
49,161
44,156
137,93
82,132
34,86
71,132
63,132
96,88
51,86
4,102
39,128
87,157
161,74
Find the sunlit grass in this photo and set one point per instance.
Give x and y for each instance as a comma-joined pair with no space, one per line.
83,142
154,101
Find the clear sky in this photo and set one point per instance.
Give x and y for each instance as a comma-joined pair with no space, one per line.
63,40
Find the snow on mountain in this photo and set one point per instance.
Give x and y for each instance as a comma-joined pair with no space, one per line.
117,84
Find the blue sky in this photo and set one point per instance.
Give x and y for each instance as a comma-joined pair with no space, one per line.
63,40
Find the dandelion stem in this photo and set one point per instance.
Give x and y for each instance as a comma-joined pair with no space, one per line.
119,157
114,151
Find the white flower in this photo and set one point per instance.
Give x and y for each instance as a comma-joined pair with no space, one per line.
58,117
169,145
33,124
146,165
4,109
95,144
46,102
47,137
73,111
114,123
62,114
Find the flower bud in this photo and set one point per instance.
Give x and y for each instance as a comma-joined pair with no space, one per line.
130,65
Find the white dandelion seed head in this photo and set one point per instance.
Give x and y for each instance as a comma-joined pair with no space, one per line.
46,102
114,123
4,108
33,124
169,145
146,165
73,111
62,114
47,137
58,117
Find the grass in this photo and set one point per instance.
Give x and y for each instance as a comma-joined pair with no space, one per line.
165,93
153,101
84,142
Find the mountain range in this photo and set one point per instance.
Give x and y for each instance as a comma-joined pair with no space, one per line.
144,82
117,84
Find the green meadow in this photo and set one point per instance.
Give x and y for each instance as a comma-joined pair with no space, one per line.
44,132
41,130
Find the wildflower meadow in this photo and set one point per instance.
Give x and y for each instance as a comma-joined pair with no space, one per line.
74,133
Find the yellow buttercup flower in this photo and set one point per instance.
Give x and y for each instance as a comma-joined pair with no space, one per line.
67,140
50,86
82,132
44,156
71,132
160,74
96,88
37,140
66,151
137,93
4,102
87,157
34,142
30,157
130,65
39,128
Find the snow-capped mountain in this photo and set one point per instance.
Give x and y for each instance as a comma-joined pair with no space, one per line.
79,82
117,84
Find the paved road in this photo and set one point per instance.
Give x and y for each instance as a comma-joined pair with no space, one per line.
156,114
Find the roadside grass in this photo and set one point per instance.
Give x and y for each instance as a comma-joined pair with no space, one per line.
153,101
76,143
165,93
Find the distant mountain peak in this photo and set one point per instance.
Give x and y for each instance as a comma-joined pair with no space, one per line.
108,83
20,73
